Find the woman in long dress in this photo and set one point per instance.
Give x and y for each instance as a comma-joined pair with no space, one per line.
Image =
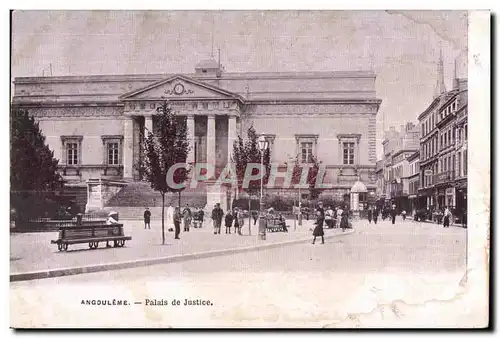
318,229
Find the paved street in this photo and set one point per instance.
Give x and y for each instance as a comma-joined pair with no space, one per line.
376,274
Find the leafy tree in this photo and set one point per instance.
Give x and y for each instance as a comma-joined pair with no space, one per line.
246,152
312,175
33,168
163,149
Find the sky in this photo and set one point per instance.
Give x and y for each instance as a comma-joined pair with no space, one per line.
401,47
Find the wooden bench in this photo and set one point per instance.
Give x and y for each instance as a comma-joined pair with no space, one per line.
92,234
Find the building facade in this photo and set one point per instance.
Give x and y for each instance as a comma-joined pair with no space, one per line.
443,145
94,123
413,181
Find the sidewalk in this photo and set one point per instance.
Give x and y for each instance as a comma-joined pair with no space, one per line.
33,252
429,221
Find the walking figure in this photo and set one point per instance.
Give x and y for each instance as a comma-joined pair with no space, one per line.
241,220
187,217
446,218
147,218
217,215
375,215
318,229
370,215
229,222
393,214
177,222
403,214
344,221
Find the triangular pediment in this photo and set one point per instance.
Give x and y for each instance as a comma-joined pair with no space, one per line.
179,87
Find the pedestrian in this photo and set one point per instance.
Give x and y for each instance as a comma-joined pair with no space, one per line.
217,215
370,215
344,221
393,214
255,216
329,217
282,222
375,215
241,220
318,229
403,214
446,218
339,216
236,223
201,217
320,213
187,217
228,222
177,222
147,218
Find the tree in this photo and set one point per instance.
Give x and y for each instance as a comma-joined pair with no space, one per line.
244,153
33,168
312,175
166,147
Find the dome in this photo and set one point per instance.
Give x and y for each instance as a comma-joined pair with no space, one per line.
207,64
359,187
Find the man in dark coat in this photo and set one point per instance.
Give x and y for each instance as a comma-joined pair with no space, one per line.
147,218
393,215
229,222
177,221
370,215
217,215
318,229
375,215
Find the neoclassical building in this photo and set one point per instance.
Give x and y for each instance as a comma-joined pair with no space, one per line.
94,123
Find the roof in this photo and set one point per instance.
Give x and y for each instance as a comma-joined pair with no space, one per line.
359,187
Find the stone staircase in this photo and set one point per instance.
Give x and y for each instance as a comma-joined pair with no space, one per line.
130,201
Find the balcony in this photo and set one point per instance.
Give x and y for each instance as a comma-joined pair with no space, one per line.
81,173
444,177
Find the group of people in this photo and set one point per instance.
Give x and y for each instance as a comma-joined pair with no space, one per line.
196,217
331,217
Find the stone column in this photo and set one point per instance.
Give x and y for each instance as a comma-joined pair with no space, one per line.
211,140
190,137
148,125
128,148
231,136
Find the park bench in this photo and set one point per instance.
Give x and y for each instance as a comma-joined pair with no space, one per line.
275,225
91,234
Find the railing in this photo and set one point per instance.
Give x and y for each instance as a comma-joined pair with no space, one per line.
44,223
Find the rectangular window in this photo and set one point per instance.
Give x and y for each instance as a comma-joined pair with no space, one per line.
465,162
72,153
348,157
306,150
459,169
113,152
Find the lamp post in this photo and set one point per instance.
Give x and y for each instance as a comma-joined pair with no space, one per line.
263,144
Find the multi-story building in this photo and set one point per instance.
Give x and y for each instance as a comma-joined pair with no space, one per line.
451,153
413,178
390,143
407,145
94,123
379,173
443,145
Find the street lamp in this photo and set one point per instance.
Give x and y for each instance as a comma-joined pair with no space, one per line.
263,145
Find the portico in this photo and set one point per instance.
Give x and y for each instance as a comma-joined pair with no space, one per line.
212,118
